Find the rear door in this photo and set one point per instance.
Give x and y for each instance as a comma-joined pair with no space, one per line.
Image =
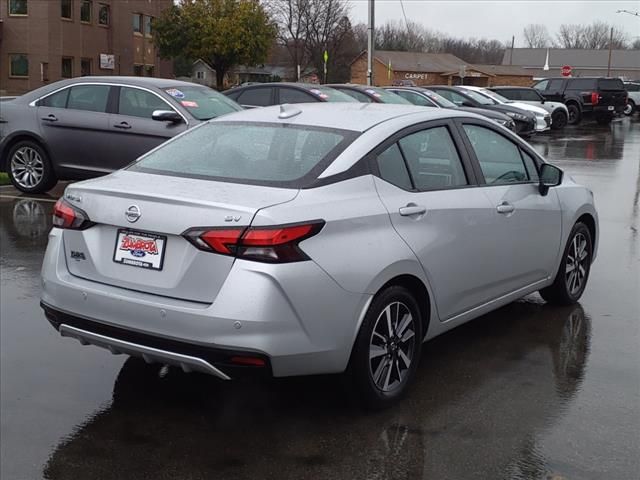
131,127
75,126
528,225
428,187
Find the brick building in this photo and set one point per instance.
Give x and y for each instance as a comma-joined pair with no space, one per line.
434,69
42,41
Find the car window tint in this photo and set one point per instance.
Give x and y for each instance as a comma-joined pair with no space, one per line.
529,95
432,159
256,97
452,96
91,98
532,168
57,100
499,158
555,84
610,84
276,152
541,85
292,95
139,103
361,97
582,84
393,169
414,98
632,87
510,93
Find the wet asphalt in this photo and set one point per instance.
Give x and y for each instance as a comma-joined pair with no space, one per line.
527,392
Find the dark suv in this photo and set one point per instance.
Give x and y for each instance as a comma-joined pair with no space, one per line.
600,97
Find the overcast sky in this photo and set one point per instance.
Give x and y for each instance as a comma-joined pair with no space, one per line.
500,19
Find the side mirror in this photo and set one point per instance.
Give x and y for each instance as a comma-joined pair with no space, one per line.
550,176
166,116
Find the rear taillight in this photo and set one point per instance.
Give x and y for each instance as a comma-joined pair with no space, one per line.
277,244
595,98
67,216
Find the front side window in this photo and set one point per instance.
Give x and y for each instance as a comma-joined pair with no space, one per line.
67,68
277,153
292,95
555,85
57,100
541,85
104,15
530,163
139,103
499,158
433,159
393,169
18,7
137,23
66,9
85,11
91,98
19,65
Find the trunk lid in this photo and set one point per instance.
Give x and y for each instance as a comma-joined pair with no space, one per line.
167,206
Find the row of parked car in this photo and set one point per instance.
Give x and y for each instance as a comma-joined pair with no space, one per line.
89,126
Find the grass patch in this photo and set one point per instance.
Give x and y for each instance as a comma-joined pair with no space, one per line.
4,179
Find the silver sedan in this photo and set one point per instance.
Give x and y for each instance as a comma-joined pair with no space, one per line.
313,239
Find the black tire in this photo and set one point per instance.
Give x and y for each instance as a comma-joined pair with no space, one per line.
563,290
630,108
29,157
393,375
575,115
559,120
604,119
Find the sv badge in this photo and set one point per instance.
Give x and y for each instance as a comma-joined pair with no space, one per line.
232,218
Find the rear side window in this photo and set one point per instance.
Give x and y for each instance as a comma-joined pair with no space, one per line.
610,84
528,95
499,158
139,103
92,98
279,155
57,100
292,95
510,94
393,169
556,85
432,159
582,84
256,97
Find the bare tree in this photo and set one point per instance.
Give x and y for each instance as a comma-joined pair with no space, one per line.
594,36
536,36
636,44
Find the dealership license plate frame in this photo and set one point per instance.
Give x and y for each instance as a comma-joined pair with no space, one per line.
126,258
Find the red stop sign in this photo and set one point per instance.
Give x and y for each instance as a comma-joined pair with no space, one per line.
566,71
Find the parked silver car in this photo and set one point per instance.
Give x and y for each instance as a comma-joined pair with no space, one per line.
315,238
558,110
90,126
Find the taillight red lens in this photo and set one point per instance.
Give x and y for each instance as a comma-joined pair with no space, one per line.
67,216
595,98
276,244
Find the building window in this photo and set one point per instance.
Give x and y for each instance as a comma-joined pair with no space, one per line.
137,70
17,7
85,11
19,65
200,75
67,67
66,9
148,70
137,23
104,15
44,72
148,25
85,67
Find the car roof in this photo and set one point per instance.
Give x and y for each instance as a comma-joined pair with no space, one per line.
354,116
305,86
509,87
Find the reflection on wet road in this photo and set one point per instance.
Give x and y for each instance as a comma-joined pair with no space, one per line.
528,392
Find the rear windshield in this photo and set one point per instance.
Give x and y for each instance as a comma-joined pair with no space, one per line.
610,84
331,94
242,152
202,102
385,96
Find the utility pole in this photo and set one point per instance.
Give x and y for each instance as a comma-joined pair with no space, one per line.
610,46
513,42
370,42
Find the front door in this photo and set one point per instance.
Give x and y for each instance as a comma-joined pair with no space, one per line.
428,187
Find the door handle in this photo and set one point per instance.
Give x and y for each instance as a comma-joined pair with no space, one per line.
50,118
505,208
123,125
412,209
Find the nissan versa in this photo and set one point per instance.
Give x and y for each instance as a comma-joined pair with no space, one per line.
313,239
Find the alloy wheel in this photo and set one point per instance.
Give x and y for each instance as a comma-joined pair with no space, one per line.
577,264
392,346
27,167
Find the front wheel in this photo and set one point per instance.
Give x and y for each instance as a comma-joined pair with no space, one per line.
387,349
572,276
30,169
559,120
574,114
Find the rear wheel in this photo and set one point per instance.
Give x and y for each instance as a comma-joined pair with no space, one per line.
629,108
387,349
573,273
30,169
559,120
574,114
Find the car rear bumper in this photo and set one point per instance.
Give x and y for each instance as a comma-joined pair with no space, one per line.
604,110
293,315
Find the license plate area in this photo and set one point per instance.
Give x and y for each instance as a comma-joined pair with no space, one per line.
140,249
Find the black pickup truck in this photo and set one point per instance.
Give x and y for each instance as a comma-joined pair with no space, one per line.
599,97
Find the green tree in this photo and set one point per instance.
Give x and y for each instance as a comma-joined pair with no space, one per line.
224,33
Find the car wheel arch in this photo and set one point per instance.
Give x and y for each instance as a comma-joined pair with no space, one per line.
21,137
